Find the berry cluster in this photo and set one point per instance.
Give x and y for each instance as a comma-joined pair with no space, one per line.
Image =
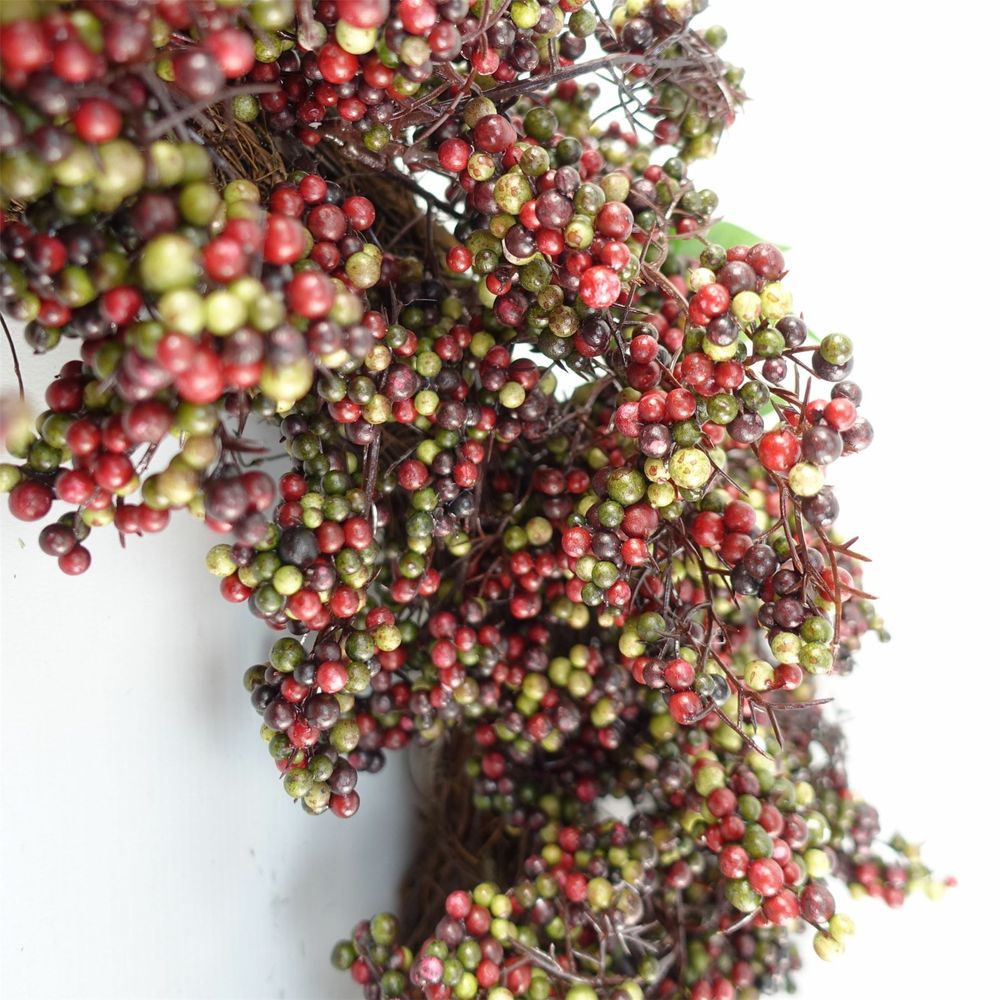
551,496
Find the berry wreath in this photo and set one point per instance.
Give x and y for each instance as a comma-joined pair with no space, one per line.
551,500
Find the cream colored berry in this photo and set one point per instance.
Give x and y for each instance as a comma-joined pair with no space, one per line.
775,301
690,468
746,307
805,479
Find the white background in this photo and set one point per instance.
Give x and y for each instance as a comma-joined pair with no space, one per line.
147,850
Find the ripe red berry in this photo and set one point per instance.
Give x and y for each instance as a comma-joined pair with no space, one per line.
679,674
767,260
23,46
840,413
418,16
232,49
74,486
285,241
75,562
734,861
708,529
74,62
29,500
685,707
600,287
765,876
97,120
778,450
576,542
681,404
360,212
493,134
782,908
458,904
453,154
363,13
121,304
712,299
740,516
310,294
336,65
459,259
614,220
112,471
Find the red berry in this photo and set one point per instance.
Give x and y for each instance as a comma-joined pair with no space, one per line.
459,259
363,13
286,200
74,62
331,676
74,486
457,905
202,381
767,260
765,876
740,516
712,299
345,806
234,590
453,154
285,241
313,189
643,348
23,46
147,421
97,120
418,16
336,65
600,287
721,802
840,413
47,254
782,908
301,734
176,352
83,437
64,395
493,134
360,212
112,471
708,529
485,61
685,707
310,294
232,49
151,520
357,532
778,450
614,220
679,674
734,861
29,500
224,259
478,921
640,521
75,562
576,542
681,404
121,304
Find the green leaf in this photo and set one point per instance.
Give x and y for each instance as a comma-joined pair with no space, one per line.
725,233
730,235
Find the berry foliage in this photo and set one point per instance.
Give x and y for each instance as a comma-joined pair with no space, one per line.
552,483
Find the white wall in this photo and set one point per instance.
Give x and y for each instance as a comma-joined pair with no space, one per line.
146,848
